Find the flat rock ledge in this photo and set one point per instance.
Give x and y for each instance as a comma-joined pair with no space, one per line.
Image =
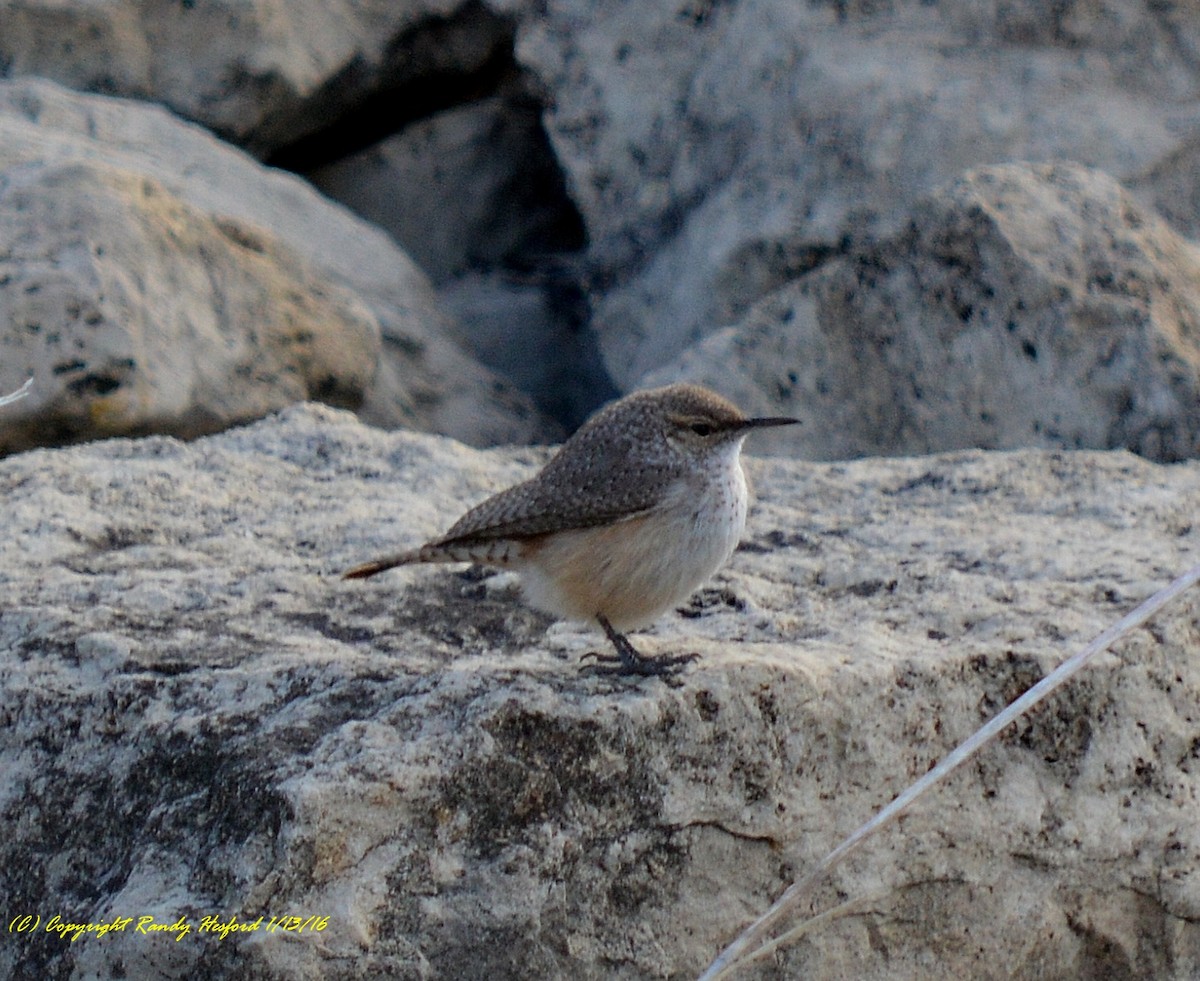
199,719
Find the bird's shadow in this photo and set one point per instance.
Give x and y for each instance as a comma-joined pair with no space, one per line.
462,609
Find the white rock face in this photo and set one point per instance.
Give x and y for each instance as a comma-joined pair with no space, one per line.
712,146
1021,306
153,278
134,312
204,720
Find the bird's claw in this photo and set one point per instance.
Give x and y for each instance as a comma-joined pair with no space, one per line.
637,664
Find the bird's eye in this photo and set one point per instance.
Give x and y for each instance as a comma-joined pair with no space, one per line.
701,428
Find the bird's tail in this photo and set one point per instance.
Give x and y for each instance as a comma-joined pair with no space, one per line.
368,569
498,552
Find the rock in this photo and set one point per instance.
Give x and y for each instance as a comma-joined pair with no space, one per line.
702,141
1021,306
200,720
204,289
1173,187
714,150
240,68
134,312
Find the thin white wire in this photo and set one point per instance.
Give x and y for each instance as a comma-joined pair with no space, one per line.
20,393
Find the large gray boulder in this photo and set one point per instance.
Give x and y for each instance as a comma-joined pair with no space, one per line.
717,149
201,720
153,278
1020,305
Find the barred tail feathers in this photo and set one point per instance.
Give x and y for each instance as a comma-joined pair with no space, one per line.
499,553
368,569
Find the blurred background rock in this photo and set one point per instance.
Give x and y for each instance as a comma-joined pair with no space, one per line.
558,202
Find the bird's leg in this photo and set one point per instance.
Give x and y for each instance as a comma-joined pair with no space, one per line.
627,660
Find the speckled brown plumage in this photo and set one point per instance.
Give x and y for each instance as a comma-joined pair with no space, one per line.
618,464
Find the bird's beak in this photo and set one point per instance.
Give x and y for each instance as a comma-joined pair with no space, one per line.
765,423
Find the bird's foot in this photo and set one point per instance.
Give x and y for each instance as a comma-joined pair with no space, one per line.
640,665
627,660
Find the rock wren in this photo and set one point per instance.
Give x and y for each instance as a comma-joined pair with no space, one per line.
641,505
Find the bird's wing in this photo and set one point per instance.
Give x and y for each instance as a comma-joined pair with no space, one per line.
592,485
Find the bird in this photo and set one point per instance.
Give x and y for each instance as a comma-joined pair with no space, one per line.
641,505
